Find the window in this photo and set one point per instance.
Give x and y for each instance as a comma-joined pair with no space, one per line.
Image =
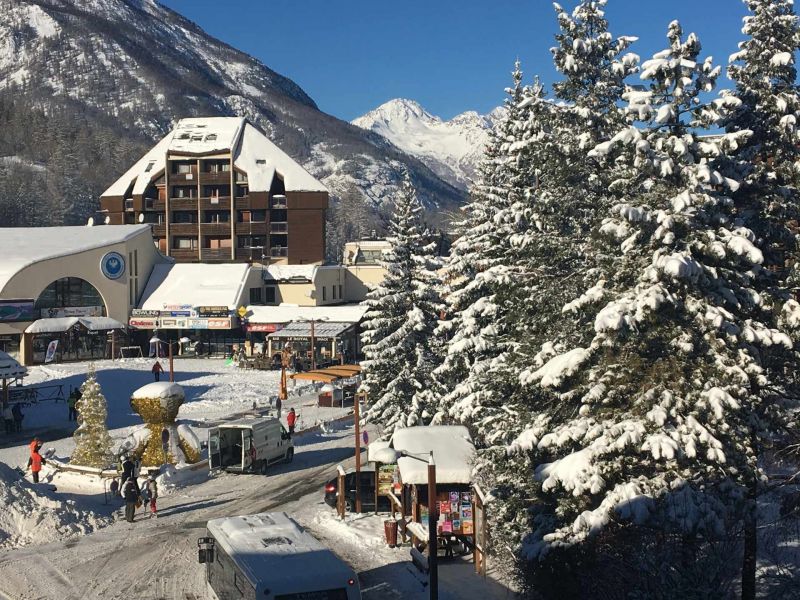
149,166
324,293
181,167
341,297
216,242
269,296
217,216
69,291
252,216
255,296
184,216
184,191
334,291
216,191
241,191
184,243
251,241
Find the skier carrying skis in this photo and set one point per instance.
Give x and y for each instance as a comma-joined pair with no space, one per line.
130,491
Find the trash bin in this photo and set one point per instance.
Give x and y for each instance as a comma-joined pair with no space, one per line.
390,531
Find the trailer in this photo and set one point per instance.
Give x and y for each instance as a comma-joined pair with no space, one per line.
249,445
269,556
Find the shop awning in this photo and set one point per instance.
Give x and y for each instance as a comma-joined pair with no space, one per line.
302,329
62,324
330,374
10,368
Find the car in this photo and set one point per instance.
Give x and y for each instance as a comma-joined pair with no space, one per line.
367,491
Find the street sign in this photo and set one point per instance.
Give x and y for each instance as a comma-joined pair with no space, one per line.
242,312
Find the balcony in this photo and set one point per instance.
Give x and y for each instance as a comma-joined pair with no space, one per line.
279,228
178,178
253,254
216,229
159,230
279,251
278,202
256,228
218,177
216,254
184,254
215,203
183,203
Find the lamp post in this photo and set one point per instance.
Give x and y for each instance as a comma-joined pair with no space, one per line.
389,456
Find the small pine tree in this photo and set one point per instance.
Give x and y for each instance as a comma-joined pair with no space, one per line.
92,442
399,324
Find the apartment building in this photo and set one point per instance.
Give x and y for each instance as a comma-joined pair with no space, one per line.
218,190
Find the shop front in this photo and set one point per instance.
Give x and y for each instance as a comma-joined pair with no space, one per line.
63,339
331,342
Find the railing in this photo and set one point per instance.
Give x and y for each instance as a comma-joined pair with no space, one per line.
183,203
219,202
216,229
280,227
278,251
216,254
184,253
218,177
33,394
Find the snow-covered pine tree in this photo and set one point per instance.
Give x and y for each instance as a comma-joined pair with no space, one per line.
552,251
399,323
653,417
476,266
92,442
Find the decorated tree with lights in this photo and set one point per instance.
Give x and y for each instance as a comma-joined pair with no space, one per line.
92,441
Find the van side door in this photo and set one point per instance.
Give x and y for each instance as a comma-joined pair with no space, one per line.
214,452
248,450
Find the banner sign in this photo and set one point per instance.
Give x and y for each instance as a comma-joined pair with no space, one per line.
51,351
208,323
138,312
179,307
172,323
178,313
72,311
264,327
143,323
219,323
17,310
213,311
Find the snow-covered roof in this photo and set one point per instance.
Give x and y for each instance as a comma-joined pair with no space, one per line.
374,447
453,453
9,367
21,247
59,324
252,151
288,272
322,330
159,389
274,546
286,313
194,284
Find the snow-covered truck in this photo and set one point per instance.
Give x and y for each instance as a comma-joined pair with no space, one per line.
249,445
269,556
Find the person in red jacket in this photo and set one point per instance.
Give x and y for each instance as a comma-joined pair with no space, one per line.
36,462
291,419
157,370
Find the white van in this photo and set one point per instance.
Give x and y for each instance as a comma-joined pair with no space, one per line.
249,445
269,556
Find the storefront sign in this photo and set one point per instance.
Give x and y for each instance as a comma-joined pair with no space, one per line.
176,307
172,323
178,313
112,265
143,323
17,310
264,327
138,312
72,311
208,323
213,311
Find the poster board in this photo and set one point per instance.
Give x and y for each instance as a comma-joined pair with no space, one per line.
455,512
386,479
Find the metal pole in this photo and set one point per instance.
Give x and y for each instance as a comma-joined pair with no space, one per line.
433,567
171,369
313,352
358,452
341,492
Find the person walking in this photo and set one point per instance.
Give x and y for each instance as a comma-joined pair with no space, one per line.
145,496
130,491
72,401
152,491
8,417
35,462
278,404
157,370
18,416
291,419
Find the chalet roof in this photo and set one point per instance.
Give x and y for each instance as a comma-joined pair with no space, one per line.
253,153
286,313
21,247
194,284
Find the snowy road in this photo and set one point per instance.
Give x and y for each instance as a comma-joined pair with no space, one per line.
156,558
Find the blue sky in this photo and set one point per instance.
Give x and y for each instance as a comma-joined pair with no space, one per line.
449,55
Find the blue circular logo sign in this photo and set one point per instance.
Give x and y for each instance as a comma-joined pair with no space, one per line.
112,265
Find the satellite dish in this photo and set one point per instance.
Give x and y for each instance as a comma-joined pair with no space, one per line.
141,217
90,222
107,220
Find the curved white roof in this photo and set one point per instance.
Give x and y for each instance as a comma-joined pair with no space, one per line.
253,153
194,284
22,247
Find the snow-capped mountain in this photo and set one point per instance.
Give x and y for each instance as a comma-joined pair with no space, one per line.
135,67
452,149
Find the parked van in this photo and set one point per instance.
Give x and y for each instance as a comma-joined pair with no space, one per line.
270,556
249,445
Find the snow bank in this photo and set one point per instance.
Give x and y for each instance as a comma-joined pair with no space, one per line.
32,514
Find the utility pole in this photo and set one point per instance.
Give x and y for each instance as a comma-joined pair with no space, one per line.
357,417
171,364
